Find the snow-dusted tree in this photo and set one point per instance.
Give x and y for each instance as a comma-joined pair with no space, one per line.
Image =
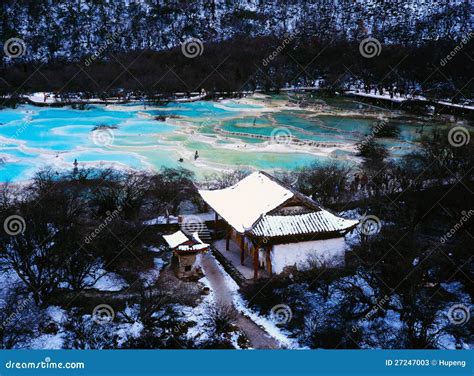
220,319
18,319
35,257
163,190
164,326
325,184
44,216
82,268
83,332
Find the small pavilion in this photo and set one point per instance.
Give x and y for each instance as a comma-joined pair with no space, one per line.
187,251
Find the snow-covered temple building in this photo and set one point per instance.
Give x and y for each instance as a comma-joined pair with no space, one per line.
276,226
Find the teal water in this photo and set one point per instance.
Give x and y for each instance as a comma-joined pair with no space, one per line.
35,137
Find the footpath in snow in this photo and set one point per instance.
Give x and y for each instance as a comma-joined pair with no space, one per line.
251,324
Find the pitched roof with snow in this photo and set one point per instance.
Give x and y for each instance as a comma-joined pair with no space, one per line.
181,242
247,206
242,204
192,247
301,224
175,239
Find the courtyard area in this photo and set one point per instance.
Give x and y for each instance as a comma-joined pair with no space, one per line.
233,256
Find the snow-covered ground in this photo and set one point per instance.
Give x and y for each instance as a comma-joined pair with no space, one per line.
197,314
161,220
56,316
396,97
402,98
41,98
151,276
110,282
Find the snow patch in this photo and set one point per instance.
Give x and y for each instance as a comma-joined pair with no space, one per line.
198,314
110,282
152,275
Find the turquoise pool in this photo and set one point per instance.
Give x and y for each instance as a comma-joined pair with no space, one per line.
226,134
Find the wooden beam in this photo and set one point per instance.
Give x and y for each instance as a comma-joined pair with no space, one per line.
216,218
268,250
255,262
242,249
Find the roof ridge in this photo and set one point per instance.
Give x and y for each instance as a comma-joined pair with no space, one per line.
298,194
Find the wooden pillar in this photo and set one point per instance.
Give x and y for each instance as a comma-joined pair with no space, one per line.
268,250
227,240
216,217
255,262
242,249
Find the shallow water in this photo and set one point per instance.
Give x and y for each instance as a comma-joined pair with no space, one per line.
225,134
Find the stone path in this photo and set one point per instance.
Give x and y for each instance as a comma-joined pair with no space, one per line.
259,338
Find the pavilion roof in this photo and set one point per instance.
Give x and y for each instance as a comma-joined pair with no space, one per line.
175,239
181,242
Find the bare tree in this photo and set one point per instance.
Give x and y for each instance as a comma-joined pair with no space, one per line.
35,255
220,319
224,179
18,319
83,333
326,184
170,187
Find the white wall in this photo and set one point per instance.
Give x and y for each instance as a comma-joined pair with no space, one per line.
328,250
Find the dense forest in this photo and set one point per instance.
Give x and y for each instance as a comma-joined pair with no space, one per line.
101,46
74,28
